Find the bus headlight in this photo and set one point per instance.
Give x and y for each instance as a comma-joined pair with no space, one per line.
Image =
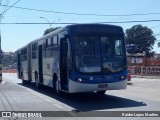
123,77
79,79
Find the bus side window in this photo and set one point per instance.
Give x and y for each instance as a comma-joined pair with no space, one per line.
118,47
46,43
55,41
34,51
24,54
52,41
49,42
55,46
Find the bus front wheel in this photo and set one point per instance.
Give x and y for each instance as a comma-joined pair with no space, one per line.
101,92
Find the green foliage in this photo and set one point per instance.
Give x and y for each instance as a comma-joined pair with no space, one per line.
50,30
9,60
143,37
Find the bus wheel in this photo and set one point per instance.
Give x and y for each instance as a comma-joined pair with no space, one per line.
57,87
101,92
36,80
23,81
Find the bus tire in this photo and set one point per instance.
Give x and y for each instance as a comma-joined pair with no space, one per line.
57,87
101,92
23,81
37,81
54,81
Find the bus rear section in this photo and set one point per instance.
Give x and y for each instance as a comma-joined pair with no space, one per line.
24,64
99,58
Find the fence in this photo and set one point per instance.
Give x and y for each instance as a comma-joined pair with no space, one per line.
144,70
134,61
9,71
144,66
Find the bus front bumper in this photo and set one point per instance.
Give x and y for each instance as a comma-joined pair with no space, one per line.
75,87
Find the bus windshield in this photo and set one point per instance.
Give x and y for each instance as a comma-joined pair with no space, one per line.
99,54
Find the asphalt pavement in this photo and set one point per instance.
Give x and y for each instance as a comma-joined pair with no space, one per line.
142,95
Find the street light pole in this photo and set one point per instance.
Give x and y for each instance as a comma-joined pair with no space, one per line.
50,23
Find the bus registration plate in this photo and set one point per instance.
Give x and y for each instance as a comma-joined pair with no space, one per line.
102,86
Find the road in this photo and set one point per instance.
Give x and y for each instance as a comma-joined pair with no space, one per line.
142,95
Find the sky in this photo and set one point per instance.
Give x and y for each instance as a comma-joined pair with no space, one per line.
15,36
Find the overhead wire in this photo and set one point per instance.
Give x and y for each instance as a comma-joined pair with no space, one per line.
155,20
6,3
10,7
81,14
155,26
138,10
152,7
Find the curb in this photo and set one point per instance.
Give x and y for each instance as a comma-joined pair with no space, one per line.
2,82
148,77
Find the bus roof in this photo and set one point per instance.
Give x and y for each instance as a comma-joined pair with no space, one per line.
71,26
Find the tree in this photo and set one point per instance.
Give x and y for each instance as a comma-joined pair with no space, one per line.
50,30
143,37
9,60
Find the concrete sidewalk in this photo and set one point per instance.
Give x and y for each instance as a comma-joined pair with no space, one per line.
2,82
148,77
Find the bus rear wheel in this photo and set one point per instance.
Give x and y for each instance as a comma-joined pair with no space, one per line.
37,81
23,81
101,92
57,87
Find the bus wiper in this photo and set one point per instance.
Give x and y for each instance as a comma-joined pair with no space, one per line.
111,69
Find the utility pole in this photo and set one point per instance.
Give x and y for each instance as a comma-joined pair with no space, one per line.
0,55
1,17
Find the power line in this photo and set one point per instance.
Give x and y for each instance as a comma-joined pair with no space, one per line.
152,7
155,26
6,3
133,21
94,22
138,10
9,7
89,14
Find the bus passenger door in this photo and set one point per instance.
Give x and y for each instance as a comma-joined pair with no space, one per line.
63,64
40,63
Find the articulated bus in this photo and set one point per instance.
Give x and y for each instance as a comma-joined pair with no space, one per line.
76,58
